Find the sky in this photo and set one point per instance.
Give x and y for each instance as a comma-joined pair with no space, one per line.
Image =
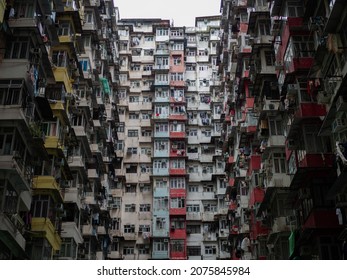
182,12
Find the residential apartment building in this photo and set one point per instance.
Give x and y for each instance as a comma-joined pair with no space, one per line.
58,73
135,139
171,173
284,66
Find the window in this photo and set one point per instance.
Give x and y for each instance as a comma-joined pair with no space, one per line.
146,116
17,48
149,38
148,52
64,28
177,164
177,183
135,67
210,250
176,76
295,9
134,99
160,183
177,60
303,46
85,64
191,53
269,58
203,52
177,47
131,168
143,249
191,229
193,188
145,208
160,164
203,67
134,116
194,250
193,208
135,84
162,61
264,28
130,208
159,127
146,133
119,145
177,246
177,202
279,160
208,188
177,127
128,250
161,203
133,133
160,246
160,223
89,17
68,248
162,32
130,188
276,127
41,204
132,151
190,67
208,207
193,169
120,127
12,92
193,132
177,223
146,151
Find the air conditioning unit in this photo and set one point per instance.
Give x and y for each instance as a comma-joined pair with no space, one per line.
224,242
166,240
174,147
149,152
339,124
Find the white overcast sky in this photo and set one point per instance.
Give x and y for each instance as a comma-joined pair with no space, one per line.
182,12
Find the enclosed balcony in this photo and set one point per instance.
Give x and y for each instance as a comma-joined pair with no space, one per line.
43,227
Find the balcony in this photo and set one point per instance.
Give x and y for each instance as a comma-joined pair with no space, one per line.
160,171
254,164
256,196
178,233
70,230
10,234
45,228
321,219
177,171
161,153
177,134
61,75
72,195
24,22
193,216
160,255
47,184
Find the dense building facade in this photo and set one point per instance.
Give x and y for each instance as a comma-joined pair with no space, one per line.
285,71
135,139
58,88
